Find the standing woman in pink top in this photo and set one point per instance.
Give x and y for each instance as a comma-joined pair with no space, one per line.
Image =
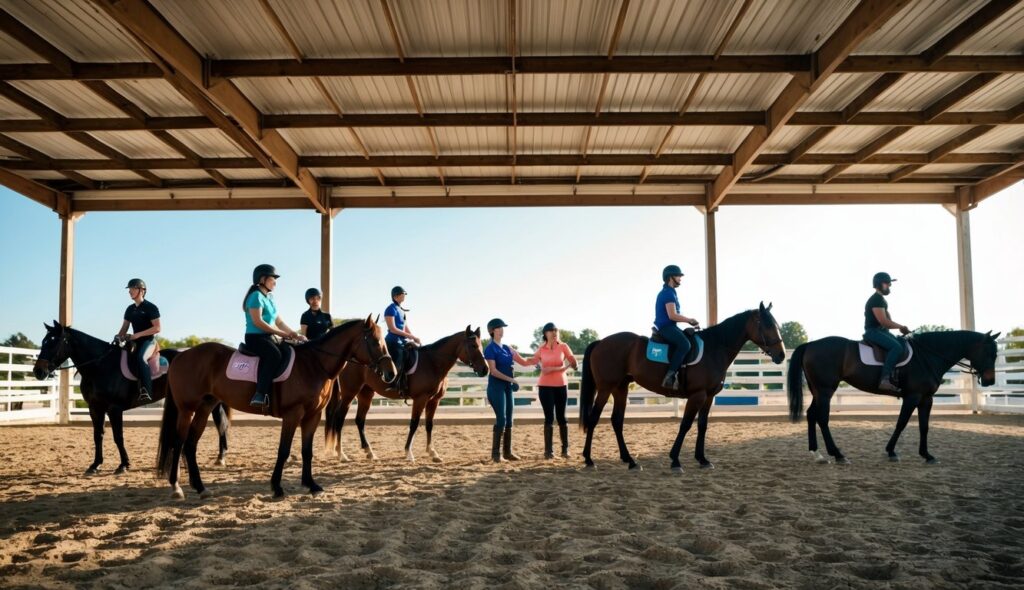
555,357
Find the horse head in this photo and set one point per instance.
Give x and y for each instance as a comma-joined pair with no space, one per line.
376,351
983,358
763,330
472,353
55,349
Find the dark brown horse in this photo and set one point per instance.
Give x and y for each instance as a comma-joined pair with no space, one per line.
612,363
829,361
426,388
198,379
106,391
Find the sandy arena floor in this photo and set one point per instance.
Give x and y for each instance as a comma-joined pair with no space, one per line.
767,517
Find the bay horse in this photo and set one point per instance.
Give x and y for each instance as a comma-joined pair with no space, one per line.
612,363
828,361
198,379
105,389
426,388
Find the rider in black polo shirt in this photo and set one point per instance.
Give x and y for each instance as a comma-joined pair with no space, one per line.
144,318
315,322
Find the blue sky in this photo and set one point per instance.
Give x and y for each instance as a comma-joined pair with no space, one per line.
581,268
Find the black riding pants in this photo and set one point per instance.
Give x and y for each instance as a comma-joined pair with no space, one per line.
680,345
552,400
270,359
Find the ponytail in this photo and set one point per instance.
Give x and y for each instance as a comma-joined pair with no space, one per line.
247,293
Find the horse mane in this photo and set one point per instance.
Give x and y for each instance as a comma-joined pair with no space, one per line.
330,333
948,338
440,342
731,325
89,340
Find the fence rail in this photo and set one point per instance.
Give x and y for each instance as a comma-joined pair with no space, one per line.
752,385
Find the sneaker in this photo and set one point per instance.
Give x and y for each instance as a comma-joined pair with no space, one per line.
260,399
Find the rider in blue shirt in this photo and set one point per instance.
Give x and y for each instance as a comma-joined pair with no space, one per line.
398,332
666,314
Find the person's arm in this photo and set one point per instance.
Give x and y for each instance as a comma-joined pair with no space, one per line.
124,330
522,361
288,332
256,313
394,330
569,357
154,329
496,373
303,328
883,318
670,307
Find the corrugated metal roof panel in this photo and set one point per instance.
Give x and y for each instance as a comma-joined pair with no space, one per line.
550,140
849,139
738,92
9,110
248,174
70,99
42,174
463,94
341,172
565,27
684,170
558,92
209,143
872,169
914,92
284,96
327,141
660,27
136,144
6,153
946,169
56,145
646,92
470,140
838,91
703,139
13,52
627,173
625,139
157,97
1008,138
395,140
343,28
788,26
788,138
1001,37
410,172
1006,92
182,174
478,171
805,169
918,26
109,175
371,94
227,29
452,27
545,170
78,28
924,139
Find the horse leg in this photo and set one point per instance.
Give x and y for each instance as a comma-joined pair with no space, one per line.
824,403
365,398
812,432
906,411
96,412
693,405
309,423
414,423
702,430
117,428
289,423
221,421
338,416
924,412
195,432
431,408
184,425
618,419
592,420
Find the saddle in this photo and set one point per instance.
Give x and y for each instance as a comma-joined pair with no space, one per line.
243,364
873,355
659,350
158,365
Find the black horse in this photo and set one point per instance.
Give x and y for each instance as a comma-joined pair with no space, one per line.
830,360
104,388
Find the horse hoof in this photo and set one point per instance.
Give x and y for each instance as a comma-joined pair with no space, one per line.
343,458
92,471
894,458
279,493
292,459
315,490
843,461
707,465
677,469
121,470
220,463
635,467
819,458
931,461
205,494
590,466
177,493
437,459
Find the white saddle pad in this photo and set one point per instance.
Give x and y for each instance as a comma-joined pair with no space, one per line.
868,357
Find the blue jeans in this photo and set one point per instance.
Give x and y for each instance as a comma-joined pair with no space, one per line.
680,345
892,345
499,395
142,346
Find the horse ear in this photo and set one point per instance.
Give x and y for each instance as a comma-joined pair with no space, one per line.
994,336
477,332
761,307
770,304
48,328
469,329
369,320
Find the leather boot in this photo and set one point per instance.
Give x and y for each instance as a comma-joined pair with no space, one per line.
507,446
886,384
563,431
671,381
549,431
496,445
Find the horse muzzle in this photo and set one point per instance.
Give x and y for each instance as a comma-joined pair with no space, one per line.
988,378
41,370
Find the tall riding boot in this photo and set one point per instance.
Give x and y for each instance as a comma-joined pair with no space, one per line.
563,431
887,384
671,381
496,445
548,435
507,446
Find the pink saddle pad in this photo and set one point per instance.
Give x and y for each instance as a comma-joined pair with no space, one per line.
157,366
242,367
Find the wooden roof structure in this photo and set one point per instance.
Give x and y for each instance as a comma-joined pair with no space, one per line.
267,104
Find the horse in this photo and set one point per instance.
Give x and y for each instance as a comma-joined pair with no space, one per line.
198,379
105,389
426,388
828,361
612,363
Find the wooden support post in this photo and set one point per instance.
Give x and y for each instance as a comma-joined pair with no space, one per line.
66,304
966,279
711,257
326,257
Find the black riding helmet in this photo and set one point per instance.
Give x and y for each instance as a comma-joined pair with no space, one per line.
312,292
495,324
671,271
136,284
398,290
881,277
263,270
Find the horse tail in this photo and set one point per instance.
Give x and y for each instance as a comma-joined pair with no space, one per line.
332,423
588,387
168,434
795,381
222,418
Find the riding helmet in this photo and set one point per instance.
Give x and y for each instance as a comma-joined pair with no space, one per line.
398,290
671,271
312,292
549,327
263,270
495,324
136,284
881,277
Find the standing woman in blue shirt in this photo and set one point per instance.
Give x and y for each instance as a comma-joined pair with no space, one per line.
144,319
500,385
261,325
666,314
398,330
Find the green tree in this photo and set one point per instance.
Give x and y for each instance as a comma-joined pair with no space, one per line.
186,342
577,343
932,328
1015,333
18,340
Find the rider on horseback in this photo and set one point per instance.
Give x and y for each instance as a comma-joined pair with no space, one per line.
666,314
144,318
877,324
398,335
261,324
314,322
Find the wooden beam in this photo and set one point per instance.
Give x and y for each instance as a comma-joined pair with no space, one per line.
937,154
39,193
711,262
327,258
66,306
866,18
152,30
961,92
36,44
982,18
28,103
866,97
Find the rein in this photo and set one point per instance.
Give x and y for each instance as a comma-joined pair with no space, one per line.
966,368
64,338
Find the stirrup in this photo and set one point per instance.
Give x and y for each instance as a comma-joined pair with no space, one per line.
144,396
260,400
671,381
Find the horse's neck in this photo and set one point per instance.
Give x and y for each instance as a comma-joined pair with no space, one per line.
445,354
947,351
338,349
727,339
86,352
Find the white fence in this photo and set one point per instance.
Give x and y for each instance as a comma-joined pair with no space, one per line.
752,385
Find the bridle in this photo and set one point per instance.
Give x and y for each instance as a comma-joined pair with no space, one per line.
469,343
375,363
965,368
64,343
765,342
